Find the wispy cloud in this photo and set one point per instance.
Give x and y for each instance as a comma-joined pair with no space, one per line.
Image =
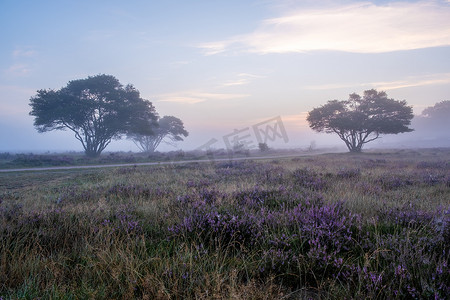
22,58
26,52
362,27
193,97
411,81
297,120
242,79
18,70
212,48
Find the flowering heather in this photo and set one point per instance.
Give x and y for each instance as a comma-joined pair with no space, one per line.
406,216
348,173
202,183
271,198
390,182
10,212
123,220
309,179
366,226
199,198
330,226
367,188
221,229
124,190
435,179
435,165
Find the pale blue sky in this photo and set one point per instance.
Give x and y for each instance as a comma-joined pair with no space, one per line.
221,65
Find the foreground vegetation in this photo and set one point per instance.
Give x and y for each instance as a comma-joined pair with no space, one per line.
32,160
371,225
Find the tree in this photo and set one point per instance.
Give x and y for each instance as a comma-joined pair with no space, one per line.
434,121
360,120
263,147
97,109
170,128
435,118
439,112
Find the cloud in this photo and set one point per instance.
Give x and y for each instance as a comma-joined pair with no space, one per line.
216,47
193,97
361,27
18,70
18,53
411,81
20,65
296,120
242,79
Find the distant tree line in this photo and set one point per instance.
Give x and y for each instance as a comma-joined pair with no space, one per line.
100,109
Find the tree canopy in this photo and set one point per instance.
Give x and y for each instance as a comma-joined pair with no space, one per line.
439,112
97,109
360,120
170,128
434,121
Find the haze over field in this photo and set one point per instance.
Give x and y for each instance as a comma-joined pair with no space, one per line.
225,65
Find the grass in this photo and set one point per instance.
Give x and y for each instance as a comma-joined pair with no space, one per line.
31,160
373,225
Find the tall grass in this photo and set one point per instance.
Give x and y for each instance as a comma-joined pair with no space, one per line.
372,226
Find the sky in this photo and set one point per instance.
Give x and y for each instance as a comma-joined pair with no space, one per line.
222,67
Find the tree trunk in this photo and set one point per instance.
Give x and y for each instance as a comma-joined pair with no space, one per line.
355,148
92,153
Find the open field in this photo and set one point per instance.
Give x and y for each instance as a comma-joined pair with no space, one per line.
374,225
73,159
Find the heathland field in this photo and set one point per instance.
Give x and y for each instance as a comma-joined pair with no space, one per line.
374,225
